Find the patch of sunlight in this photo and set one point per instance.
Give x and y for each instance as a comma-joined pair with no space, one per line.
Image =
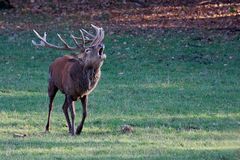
97,130
168,116
16,117
160,85
104,147
70,150
21,129
210,135
10,116
122,86
218,147
152,85
14,93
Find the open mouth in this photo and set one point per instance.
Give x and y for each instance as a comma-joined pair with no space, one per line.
100,52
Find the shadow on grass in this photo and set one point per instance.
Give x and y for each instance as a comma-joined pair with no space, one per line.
109,150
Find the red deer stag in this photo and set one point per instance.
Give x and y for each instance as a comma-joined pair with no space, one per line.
75,75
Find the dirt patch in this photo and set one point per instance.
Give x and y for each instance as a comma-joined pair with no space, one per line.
119,15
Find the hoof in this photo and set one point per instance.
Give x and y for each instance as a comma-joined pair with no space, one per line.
47,131
78,132
72,134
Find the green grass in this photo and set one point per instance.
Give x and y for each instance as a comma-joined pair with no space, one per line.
179,91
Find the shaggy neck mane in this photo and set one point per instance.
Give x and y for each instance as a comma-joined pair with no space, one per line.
86,76
82,59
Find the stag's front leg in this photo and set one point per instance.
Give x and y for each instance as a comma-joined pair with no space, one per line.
73,113
65,111
84,101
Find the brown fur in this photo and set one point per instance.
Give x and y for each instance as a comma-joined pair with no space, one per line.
70,75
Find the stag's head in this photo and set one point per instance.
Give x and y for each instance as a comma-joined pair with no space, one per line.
94,53
91,48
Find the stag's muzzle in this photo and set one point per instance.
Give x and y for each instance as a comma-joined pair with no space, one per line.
103,56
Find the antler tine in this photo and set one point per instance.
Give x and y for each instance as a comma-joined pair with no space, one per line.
95,27
101,36
98,40
40,44
83,39
87,40
45,36
89,34
63,41
75,40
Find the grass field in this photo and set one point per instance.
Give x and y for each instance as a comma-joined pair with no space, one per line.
179,90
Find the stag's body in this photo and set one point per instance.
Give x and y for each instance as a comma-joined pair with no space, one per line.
72,76
75,75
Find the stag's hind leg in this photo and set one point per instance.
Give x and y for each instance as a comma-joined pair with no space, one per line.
52,90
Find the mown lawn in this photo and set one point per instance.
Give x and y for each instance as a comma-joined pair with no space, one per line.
179,90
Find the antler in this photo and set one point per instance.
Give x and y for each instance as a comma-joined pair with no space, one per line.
44,43
99,36
95,40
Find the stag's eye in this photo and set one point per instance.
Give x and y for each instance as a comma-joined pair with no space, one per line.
100,51
87,50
